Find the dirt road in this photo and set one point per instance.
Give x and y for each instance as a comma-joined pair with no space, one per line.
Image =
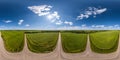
57,54
88,54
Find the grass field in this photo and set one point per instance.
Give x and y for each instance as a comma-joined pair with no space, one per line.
104,42
73,42
42,42
13,40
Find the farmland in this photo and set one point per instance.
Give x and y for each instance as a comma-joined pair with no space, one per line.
104,42
13,40
42,42
73,42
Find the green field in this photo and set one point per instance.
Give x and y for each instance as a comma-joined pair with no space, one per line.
104,42
73,42
13,40
42,42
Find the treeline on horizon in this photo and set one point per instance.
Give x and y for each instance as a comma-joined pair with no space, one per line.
67,31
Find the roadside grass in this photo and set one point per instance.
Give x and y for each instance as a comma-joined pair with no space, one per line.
13,40
104,42
73,42
42,42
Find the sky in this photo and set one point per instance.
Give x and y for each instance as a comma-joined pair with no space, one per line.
60,14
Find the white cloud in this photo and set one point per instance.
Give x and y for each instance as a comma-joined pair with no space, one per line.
116,25
7,21
53,16
88,13
98,26
45,10
69,23
93,26
41,10
82,16
84,25
27,25
99,11
91,11
110,27
20,22
104,27
59,22
69,28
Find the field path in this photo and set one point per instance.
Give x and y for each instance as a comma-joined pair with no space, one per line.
57,54
37,56
5,55
77,56
118,56
25,54
88,54
106,56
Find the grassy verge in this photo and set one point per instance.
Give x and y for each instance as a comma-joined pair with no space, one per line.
42,42
104,42
73,42
13,40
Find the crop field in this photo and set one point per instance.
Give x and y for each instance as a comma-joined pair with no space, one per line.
73,42
104,42
42,42
13,40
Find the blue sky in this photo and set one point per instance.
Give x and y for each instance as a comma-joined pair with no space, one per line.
60,14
